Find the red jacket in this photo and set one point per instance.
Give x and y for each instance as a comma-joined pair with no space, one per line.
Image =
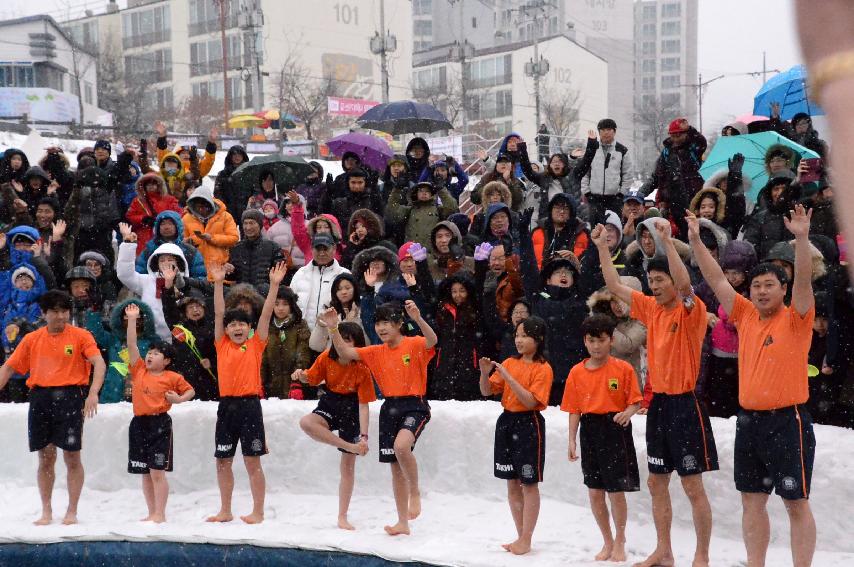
147,206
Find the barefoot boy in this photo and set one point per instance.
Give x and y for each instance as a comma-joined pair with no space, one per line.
59,358
155,389
239,415
602,395
524,382
344,406
399,366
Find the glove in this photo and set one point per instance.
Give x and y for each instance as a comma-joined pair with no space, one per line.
527,215
522,146
296,392
482,251
418,252
194,152
143,146
735,163
148,221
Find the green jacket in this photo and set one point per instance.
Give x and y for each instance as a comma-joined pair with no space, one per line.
287,350
416,218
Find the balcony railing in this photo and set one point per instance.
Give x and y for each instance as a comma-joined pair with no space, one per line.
143,40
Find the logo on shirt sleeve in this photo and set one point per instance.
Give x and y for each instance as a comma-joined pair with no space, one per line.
69,350
407,359
613,384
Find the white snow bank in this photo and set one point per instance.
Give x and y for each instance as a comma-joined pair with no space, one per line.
465,512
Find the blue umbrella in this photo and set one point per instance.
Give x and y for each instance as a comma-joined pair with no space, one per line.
753,148
789,88
404,117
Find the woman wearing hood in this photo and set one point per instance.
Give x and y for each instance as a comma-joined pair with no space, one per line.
33,186
107,282
13,165
493,193
447,256
168,227
648,245
281,231
560,232
172,171
56,165
799,130
455,372
377,273
268,189
417,157
113,341
396,176
313,190
503,172
304,231
209,227
151,200
365,230
722,198
767,226
235,198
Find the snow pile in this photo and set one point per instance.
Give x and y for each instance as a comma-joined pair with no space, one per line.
465,512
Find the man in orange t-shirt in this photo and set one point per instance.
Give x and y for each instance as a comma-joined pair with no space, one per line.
601,396
399,366
154,390
678,431
59,358
239,417
774,439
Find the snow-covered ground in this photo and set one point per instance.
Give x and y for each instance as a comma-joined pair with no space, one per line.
465,516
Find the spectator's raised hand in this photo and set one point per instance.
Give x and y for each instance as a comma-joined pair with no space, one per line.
293,197
482,251
663,231
329,317
412,310
371,277
693,224
277,274
17,186
217,273
591,134
418,252
58,230
126,232
409,279
799,224
598,236
132,311
170,272
735,163
160,129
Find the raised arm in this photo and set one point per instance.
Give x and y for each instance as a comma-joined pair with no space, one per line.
277,274
609,272
132,314
712,272
426,330
217,273
802,294
678,271
345,351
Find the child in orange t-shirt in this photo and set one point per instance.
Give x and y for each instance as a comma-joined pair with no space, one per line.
154,389
602,395
524,382
239,417
399,366
343,406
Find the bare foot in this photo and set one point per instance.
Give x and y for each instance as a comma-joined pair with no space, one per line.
221,517
605,553
147,518
158,518
45,520
506,546
414,505
69,519
520,547
657,559
344,524
399,528
360,448
253,518
700,562
618,552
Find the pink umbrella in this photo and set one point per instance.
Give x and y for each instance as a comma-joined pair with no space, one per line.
748,118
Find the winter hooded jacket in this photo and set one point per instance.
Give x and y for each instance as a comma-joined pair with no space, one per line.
219,224
234,197
573,236
343,208
20,305
287,350
203,381
147,206
444,265
677,170
417,165
128,189
108,284
455,188
637,259
404,181
630,334
56,164
175,183
313,192
92,206
417,218
478,224
569,182
149,287
516,187
8,174
113,341
29,196
194,258
205,164
732,209
374,236
313,286
392,288
767,227
282,235
610,171
304,231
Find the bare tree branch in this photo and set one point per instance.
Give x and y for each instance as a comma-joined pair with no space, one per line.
559,107
296,92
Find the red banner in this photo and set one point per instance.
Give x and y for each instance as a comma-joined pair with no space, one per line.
337,106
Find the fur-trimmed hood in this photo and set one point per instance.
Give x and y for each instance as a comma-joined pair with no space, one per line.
716,194
500,188
722,237
244,292
311,227
173,156
722,175
364,258
600,300
155,177
370,219
117,324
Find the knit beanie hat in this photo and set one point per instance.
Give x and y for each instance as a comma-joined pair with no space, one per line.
403,251
253,214
104,145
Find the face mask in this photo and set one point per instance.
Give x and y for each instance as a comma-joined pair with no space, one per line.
269,214
171,170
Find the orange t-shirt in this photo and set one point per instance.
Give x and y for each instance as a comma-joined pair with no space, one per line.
55,360
536,377
342,378
674,342
149,390
611,388
772,356
399,371
239,367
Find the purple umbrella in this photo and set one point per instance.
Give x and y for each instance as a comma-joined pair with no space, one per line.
374,152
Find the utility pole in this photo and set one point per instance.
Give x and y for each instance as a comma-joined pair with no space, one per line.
251,21
538,67
226,95
382,44
462,51
764,72
701,84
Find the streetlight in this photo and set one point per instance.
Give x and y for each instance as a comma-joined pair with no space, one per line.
537,67
382,44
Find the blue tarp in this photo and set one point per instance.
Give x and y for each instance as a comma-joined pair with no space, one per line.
166,554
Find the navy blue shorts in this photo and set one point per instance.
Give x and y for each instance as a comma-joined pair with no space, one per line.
56,418
150,443
608,458
240,419
407,412
520,446
679,436
341,412
775,450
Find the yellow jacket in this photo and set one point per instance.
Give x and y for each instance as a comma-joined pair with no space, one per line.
205,164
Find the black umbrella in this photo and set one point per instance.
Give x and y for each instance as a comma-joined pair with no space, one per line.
288,171
404,117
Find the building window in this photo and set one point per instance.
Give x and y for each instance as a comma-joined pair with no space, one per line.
490,72
145,27
422,45
89,93
648,30
149,67
474,23
649,11
85,34
670,64
504,103
671,100
432,80
648,66
670,28
422,27
671,11
648,83
17,76
648,48
671,46
204,16
670,81
422,7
